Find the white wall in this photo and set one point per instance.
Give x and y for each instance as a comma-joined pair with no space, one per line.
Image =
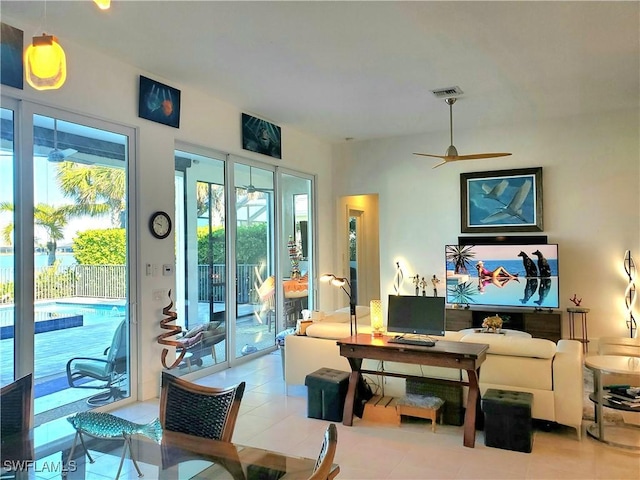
105,88
591,194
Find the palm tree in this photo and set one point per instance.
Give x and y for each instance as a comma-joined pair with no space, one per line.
97,190
7,230
210,193
460,256
52,220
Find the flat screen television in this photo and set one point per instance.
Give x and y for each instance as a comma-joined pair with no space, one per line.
504,275
414,314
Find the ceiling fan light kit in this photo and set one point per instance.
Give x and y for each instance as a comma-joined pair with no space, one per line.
56,155
251,188
451,155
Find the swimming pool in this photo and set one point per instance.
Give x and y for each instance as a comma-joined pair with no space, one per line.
57,315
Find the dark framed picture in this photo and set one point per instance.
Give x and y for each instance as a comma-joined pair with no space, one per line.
501,201
261,136
11,46
159,102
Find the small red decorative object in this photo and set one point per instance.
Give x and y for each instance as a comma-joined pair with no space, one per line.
576,300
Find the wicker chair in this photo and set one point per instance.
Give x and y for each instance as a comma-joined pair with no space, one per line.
322,469
198,410
15,420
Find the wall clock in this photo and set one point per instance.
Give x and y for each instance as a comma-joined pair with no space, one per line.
160,224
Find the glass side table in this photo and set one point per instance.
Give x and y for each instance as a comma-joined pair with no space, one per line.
624,435
107,426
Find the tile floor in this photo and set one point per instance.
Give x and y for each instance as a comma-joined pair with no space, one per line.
271,419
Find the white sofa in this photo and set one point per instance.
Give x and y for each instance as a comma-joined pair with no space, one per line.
552,373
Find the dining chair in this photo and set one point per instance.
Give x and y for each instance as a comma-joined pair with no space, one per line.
15,420
15,406
198,410
322,470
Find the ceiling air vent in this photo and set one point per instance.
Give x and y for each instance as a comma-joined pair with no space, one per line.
447,92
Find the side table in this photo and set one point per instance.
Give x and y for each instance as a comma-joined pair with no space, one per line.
625,435
584,339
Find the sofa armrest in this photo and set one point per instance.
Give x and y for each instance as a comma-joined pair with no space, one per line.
304,355
568,383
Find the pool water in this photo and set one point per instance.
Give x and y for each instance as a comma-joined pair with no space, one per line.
91,312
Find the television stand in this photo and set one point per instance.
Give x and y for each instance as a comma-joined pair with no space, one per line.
540,323
548,310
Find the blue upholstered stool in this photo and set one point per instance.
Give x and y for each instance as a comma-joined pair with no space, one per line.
326,392
507,420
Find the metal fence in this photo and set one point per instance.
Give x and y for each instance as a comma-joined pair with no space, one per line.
211,286
110,281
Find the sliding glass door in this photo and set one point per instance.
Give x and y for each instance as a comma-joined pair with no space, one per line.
297,259
257,308
239,280
8,372
66,229
201,246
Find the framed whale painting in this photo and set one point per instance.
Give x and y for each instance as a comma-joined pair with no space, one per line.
501,200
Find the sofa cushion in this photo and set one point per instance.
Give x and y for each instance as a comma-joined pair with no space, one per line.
514,346
333,331
342,315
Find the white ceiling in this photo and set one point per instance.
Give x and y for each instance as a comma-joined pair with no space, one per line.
365,69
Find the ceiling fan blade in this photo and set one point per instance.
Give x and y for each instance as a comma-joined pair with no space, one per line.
56,155
67,152
473,156
440,164
431,155
451,154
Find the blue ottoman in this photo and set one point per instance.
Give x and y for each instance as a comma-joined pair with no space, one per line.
507,420
326,391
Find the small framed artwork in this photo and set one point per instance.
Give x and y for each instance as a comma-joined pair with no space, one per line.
501,201
261,136
12,66
159,103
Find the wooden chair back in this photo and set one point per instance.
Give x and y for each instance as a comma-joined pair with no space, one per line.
15,406
327,454
198,410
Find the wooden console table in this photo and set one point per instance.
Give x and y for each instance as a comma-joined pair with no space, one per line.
459,355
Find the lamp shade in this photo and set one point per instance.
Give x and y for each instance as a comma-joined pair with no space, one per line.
45,63
377,327
103,4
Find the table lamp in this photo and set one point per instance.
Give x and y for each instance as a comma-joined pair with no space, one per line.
377,328
341,282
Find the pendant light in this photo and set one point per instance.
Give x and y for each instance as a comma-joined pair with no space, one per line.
103,4
45,63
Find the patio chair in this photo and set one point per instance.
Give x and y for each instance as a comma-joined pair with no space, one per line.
327,453
15,420
200,341
198,410
267,294
109,371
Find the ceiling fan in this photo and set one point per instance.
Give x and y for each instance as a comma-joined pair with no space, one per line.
451,155
56,155
251,188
